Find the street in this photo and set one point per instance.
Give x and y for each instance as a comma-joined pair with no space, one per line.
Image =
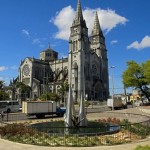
96,108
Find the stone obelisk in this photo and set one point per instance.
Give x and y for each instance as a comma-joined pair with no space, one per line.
69,109
82,115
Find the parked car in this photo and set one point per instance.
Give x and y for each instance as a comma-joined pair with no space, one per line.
20,108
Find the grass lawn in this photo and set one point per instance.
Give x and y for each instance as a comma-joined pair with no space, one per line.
147,147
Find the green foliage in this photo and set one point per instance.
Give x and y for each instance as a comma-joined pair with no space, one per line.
24,89
125,122
4,95
45,135
86,103
29,135
146,147
1,84
140,130
63,90
133,75
138,76
146,67
136,128
50,96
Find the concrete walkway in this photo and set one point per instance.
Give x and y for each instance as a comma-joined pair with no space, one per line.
8,145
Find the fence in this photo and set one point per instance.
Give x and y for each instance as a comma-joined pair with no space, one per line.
118,129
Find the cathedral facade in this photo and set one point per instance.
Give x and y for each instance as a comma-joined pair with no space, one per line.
85,69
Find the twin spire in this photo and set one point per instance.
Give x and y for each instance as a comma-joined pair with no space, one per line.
79,15
96,29
79,19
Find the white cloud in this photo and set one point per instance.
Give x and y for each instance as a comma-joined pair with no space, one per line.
3,68
14,67
109,19
114,42
145,43
63,21
25,32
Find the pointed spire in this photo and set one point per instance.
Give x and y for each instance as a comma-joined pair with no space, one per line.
79,15
96,29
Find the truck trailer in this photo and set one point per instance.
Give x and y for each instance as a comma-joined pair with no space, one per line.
116,103
42,108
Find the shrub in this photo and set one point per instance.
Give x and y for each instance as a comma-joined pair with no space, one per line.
86,103
16,129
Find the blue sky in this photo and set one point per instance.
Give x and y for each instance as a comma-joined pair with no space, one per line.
27,26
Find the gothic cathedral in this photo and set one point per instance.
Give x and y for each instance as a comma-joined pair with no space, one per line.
86,67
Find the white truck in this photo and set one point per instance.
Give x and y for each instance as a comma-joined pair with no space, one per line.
116,103
42,108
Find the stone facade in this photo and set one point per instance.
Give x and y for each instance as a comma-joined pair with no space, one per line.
86,67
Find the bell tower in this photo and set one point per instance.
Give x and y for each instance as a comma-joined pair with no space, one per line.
78,46
98,46
97,39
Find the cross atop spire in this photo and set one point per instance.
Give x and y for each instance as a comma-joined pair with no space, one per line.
49,45
96,29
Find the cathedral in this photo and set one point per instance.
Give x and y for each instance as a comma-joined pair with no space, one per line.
85,69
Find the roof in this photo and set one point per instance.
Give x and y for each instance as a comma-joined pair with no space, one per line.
48,50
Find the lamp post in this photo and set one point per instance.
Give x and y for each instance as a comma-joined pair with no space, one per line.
112,67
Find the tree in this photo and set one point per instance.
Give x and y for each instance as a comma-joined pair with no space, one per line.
137,76
25,89
63,90
146,67
3,94
1,84
50,96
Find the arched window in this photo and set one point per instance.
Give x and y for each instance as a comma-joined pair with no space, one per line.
75,45
75,69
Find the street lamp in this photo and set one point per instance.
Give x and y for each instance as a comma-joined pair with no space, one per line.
112,67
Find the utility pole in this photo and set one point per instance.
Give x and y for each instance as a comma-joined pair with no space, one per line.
125,93
46,84
112,67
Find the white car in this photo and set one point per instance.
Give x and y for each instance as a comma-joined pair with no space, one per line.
20,108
